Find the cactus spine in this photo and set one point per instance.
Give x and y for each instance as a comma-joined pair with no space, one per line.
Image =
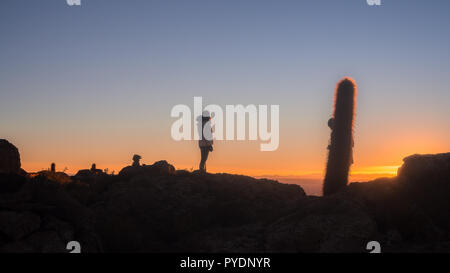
340,154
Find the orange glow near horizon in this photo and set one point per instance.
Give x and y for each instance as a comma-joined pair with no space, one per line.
357,174
304,157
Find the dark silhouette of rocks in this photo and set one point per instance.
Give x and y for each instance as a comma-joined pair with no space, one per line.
153,208
419,167
169,212
11,175
158,168
88,175
413,207
136,161
43,217
9,158
433,195
58,177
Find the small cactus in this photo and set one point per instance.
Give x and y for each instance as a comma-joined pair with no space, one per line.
340,154
53,168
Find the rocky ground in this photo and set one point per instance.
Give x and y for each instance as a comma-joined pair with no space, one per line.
159,209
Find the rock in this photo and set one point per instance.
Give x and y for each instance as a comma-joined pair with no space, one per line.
136,161
161,167
64,230
89,175
425,180
9,158
43,217
17,225
17,247
393,208
242,239
157,209
158,168
59,177
47,241
131,171
415,203
163,213
65,207
328,224
418,168
10,183
182,172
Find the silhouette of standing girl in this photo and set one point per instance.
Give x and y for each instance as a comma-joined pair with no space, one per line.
206,141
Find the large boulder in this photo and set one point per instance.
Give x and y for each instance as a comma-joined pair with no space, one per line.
90,175
399,217
425,180
158,168
59,177
432,167
9,157
412,207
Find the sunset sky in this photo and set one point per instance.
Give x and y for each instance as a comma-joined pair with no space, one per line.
96,83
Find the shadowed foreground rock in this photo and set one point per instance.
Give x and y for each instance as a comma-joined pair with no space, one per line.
42,217
158,209
411,210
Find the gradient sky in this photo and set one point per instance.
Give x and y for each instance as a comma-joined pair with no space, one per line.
96,83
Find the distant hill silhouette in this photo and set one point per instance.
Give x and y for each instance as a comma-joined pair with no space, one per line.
156,208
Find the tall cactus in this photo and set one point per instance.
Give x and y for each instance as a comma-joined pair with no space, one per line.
340,155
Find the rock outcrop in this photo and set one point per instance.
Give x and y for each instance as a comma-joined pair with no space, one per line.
158,209
426,181
9,158
59,177
89,175
417,168
167,212
413,207
158,168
